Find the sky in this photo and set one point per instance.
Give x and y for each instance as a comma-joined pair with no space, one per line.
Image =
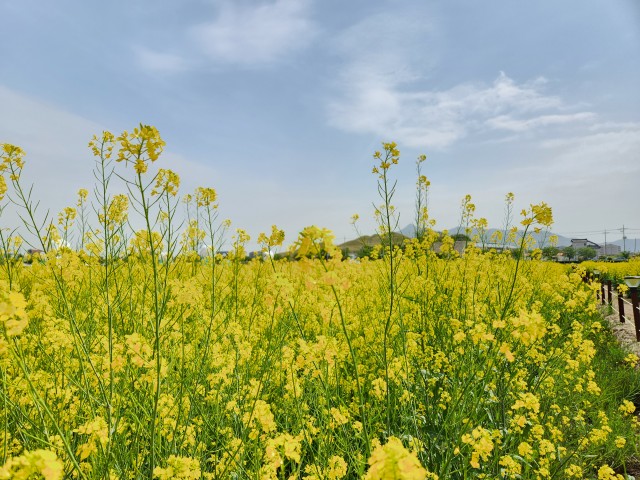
280,104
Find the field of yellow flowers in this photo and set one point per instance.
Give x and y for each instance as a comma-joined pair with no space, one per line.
132,356
614,271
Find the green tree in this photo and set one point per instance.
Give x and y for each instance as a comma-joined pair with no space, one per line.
569,252
461,237
550,252
586,253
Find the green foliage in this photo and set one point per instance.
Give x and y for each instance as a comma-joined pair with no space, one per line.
460,237
569,252
550,253
586,253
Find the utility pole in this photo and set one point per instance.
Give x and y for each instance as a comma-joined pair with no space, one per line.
624,240
605,244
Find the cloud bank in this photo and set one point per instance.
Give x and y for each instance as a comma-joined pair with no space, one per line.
249,35
437,119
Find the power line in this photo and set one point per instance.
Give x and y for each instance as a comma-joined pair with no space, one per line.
584,231
588,232
601,232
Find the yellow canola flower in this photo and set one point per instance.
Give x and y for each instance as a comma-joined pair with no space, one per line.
337,468
83,193
102,147
12,158
529,327
540,214
3,187
482,444
142,145
573,471
316,241
527,401
117,212
607,473
140,166
262,415
140,242
97,431
12,313
525,450
631,360
206,197
178,468
274,240
284,446
66,216
39,462
506,351
393,460
511,467
627,407
167,181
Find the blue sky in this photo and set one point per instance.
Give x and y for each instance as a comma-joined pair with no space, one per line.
279,104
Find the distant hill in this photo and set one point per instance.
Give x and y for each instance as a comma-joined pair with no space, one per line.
370,241
632,244
410,231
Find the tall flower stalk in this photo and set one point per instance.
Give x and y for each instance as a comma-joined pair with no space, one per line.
139,148
388,219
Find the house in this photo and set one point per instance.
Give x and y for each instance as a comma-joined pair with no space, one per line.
610,250
498,247
583,242
601,251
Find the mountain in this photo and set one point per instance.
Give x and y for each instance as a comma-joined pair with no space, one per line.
409,231
541,238
632,244
370,241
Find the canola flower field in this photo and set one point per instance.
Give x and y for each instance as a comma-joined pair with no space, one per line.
614,271
126,354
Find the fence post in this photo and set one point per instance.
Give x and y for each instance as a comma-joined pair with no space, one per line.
609,298
636,313
620,307
602,293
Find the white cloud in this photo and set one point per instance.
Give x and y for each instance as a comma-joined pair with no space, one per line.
388,49
248,34
386,62
611,147
588,178
159,61
507,122
437,119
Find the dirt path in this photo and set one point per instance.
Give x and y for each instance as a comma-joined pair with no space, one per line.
625,332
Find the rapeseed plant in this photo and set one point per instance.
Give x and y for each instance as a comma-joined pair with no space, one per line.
147,354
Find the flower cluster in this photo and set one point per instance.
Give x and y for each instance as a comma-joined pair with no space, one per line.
139,147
